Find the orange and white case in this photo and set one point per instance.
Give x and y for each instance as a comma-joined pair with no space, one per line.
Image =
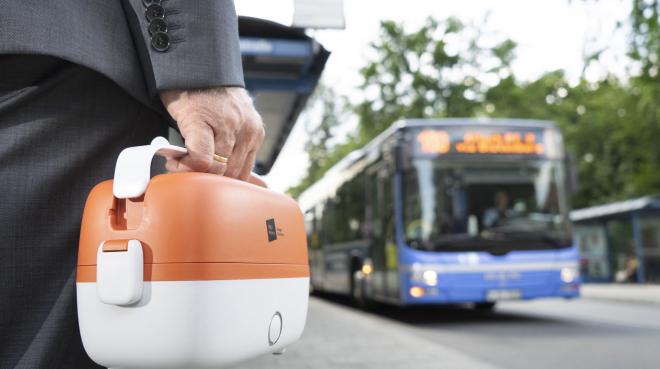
188,270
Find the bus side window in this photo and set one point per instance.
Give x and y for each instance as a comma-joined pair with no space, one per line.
373,208
351,210
318,222
328,222
381,204
387,204
310,227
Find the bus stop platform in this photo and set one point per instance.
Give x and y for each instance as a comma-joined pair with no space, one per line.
337,336
635,293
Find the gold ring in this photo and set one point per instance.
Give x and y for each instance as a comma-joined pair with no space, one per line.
220,159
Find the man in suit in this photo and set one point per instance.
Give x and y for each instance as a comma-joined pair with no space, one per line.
79,81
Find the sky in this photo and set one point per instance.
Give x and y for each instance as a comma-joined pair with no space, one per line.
551,35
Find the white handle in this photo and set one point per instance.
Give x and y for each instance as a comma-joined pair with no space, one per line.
133,169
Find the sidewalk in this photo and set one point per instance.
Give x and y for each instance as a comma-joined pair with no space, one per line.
644,293
346,338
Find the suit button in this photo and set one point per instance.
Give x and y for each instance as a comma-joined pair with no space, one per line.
157,25
154,12
151,2
160,41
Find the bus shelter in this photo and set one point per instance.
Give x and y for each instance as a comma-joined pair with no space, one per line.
619,241
282,66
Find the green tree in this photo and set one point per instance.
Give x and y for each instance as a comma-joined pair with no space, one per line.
431,72
318,145
645,87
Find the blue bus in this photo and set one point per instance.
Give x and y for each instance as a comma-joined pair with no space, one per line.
446,211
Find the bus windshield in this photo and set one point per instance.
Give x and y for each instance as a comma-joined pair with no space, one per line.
485,205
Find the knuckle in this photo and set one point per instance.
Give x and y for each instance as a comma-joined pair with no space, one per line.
256,131
224,144
251,128
230,173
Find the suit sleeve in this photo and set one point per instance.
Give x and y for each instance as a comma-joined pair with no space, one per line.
186,44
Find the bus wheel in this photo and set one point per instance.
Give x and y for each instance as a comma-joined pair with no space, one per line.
484,306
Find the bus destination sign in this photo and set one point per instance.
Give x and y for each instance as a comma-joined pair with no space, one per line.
432,141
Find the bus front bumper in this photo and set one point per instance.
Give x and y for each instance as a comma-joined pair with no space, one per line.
482,287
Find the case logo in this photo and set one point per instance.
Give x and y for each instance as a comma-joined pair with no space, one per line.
271,229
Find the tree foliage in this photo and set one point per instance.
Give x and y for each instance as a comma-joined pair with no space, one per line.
445,69
322,150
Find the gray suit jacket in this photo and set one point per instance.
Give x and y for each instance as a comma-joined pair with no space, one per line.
62,126
144,46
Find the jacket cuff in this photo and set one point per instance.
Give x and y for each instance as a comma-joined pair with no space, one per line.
186,44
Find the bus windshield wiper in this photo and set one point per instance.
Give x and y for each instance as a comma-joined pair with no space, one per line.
517,235
455,240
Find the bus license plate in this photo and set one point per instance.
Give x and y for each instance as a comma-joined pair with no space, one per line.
494,295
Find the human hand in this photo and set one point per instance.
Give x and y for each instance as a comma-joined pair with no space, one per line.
219,121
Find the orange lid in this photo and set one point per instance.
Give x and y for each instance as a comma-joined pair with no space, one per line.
197,218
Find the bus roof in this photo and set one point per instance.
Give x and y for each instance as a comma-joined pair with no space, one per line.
345,168
508,122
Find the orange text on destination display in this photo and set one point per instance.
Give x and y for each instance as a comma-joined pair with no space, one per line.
474,142
434,141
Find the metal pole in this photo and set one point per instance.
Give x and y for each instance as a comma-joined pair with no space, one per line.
637,239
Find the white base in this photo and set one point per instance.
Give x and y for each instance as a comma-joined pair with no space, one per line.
192,324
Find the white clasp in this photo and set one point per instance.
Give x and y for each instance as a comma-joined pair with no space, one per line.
133,170
119,272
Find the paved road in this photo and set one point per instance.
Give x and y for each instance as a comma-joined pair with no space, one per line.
537,334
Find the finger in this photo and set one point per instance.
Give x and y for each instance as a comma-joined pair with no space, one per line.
175,165
247,166
200,144
253,137
224,146
236,160
218,168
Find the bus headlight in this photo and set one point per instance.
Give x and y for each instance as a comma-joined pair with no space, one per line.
428,277
367,267
569,274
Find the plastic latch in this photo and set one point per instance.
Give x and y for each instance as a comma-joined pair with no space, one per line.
133,169
119,272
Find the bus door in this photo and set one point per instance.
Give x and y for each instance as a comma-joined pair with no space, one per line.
315,252
381,216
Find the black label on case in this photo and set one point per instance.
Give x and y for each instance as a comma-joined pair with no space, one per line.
271,229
